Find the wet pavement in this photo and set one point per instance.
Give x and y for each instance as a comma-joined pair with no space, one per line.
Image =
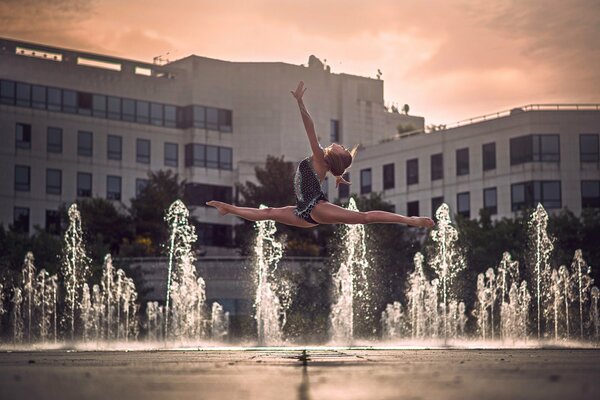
296,374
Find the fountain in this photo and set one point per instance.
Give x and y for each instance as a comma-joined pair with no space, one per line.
581,275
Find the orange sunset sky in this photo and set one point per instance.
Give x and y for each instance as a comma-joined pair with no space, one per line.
448,59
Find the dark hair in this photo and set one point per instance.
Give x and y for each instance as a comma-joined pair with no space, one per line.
339,163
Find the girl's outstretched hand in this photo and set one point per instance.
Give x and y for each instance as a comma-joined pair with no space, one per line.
340,179
299,92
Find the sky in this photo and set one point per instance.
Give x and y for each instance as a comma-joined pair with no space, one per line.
447,59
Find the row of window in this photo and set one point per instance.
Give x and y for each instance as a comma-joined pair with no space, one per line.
207,156
111,107
523,149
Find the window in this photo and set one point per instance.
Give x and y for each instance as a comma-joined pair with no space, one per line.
199,117
53,181
365,181
142,151
588,148
22,178
84,103
197,194
462,162
23,94
334,131
436,202
38,97
490,200
99,106
344,190
389,181
529,148
225,158
590,194
54,140
84,184
463,204
437,166
225,120
53,222
140,185
528,194
113,146
7,92
212,118
23,136
54,99
214,234
142,112
412,171
170,116
195,155
412,208
171,154
128,110
21,219
212,157
114,107
85,143
113,187
156,114
488,152
69,101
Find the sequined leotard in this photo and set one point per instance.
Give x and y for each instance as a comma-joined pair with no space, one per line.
307,189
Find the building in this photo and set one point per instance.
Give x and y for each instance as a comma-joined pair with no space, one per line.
502,162
77,125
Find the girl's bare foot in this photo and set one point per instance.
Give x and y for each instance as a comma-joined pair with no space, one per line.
425,222
221,207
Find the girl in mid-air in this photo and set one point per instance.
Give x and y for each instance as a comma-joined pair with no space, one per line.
312,207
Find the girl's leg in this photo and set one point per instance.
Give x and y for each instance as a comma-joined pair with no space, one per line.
284,215
328,213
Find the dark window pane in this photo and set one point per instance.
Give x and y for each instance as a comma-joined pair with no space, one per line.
69,101
225,158
437,166
588,148
99,106
23,94
128,110
199,117
344,190
195,155
436,202
549,148
412,208
84,103
334,131
170,116
54,99
365,181
38,97
212,118
114,107
412,171
7,92
84,184
21,219
22,178
171,154
114,147
23,136
462,161
54,140
489,156
113,187
53,181
551,196
490,201
590,194
521,150
225,120
53,222
142,112
212,157
85,143
463,204
140,185
142,151
197,194
389,180
156,114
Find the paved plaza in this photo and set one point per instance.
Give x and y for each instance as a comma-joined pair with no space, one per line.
293,373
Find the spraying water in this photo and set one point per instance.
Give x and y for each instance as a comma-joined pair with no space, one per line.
581,276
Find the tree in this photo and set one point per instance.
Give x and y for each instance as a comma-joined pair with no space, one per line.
148,209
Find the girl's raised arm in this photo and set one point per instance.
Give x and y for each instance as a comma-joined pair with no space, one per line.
317,150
